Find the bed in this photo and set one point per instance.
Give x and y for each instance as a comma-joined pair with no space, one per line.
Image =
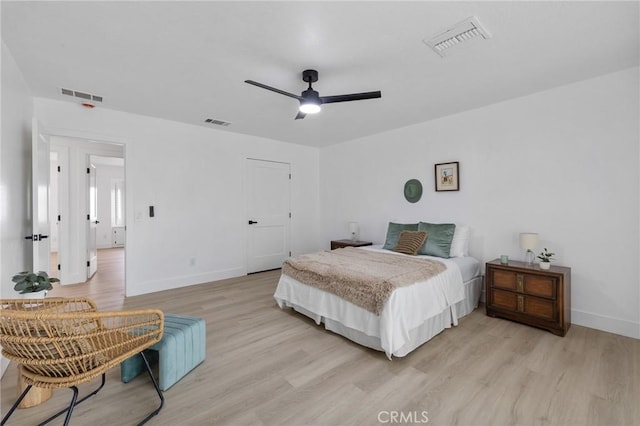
411,316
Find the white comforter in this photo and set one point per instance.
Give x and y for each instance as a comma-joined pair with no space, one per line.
407,307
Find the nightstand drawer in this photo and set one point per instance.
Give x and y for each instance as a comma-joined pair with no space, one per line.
531,306
504,300
540,308
536,285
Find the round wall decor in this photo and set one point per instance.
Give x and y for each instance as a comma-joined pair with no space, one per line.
413,190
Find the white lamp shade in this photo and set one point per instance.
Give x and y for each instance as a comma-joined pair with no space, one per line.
528,241
353,227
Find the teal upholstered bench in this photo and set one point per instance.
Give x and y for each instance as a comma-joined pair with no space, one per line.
181,349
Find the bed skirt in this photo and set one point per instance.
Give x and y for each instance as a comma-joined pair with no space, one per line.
418,335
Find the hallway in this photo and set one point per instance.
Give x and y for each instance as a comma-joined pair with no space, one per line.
106,287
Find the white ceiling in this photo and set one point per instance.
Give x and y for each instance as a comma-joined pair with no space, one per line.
187,61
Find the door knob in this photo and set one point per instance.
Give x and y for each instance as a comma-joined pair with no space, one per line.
251,222
97,222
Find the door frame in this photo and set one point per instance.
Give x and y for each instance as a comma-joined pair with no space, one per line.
40,219
64,209
92,219
246,159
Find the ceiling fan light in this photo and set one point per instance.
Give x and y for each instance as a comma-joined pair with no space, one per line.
310,108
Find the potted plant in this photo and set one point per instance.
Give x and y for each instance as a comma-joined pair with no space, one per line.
545,259
30,283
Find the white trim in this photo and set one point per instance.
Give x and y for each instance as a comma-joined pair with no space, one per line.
605,323
4,364
90,136
183,281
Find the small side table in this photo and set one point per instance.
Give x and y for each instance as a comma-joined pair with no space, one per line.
336,244
529,295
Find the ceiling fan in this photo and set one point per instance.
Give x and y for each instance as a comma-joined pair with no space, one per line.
310,100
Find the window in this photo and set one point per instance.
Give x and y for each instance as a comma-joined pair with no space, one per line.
117,202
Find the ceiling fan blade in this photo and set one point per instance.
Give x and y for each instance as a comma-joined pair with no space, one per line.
273,89
300,115
351,97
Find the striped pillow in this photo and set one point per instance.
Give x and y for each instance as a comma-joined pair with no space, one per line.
410,242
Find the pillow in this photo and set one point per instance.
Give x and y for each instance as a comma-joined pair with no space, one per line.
440,236
460,242
410,242
393,233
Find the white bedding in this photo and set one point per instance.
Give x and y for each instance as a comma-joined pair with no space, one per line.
407,309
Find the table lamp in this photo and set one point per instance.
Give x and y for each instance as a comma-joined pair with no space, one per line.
353,230
529,242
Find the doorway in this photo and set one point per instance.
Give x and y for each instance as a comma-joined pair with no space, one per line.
76,202
106,218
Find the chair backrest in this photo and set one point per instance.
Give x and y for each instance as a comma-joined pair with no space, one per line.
59,338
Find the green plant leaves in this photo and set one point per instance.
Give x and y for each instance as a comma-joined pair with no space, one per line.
29,282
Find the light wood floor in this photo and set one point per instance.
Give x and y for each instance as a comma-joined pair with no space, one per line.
266,366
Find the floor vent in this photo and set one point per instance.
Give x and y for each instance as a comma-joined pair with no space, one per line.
459,33
217,122
81,95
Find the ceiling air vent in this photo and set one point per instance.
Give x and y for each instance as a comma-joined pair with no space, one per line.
217,122
81,95
459,33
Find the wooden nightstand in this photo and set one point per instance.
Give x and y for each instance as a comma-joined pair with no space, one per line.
529,295
336,244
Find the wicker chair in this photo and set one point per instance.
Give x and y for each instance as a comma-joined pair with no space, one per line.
62,343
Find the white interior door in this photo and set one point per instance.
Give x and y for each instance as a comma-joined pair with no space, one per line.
40,162
92,218
269,218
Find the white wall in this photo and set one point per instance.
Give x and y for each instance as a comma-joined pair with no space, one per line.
563,163
15,176
194,176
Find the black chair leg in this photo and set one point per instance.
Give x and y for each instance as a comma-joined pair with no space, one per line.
59,413
74,399
15,404
155,384
72,405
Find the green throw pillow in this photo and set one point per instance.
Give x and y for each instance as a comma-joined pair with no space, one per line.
393,233
439,241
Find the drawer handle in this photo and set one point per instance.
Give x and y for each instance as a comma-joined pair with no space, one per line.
520,304
520,282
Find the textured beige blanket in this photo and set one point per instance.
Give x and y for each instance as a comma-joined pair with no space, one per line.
364,278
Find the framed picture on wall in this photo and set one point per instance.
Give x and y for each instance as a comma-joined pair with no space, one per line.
447,176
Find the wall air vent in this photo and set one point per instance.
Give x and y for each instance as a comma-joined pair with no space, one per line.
461,32
81,95
217,122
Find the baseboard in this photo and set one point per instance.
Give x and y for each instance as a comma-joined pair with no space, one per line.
179,282
600,322
605,323
4,364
